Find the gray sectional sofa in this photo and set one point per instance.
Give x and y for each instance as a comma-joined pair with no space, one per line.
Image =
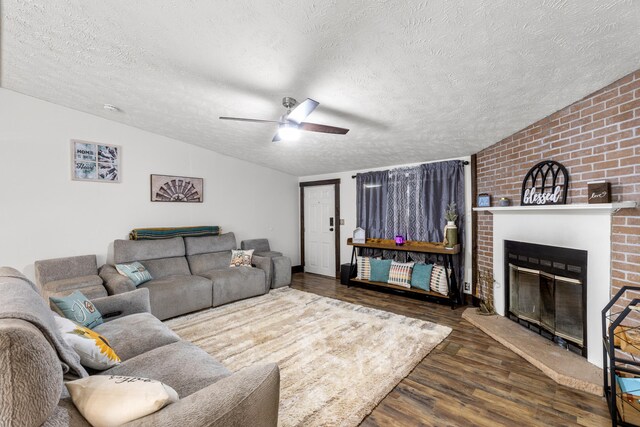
189,274
32,363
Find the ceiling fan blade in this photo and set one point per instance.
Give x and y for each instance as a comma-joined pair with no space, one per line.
240,119
314,127
303,109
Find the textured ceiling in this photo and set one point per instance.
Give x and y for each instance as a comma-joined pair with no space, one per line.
413,80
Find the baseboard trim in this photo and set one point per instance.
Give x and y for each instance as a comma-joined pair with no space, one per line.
297,269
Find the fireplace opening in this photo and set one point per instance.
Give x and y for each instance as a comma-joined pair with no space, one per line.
546,292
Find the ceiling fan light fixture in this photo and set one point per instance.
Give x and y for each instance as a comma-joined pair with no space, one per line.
288,132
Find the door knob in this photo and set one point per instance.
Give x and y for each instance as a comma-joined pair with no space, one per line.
331,229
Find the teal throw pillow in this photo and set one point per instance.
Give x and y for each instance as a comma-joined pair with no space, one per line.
421,276
379,270
78,308
134,271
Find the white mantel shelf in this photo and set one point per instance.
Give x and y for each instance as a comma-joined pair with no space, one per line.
573,207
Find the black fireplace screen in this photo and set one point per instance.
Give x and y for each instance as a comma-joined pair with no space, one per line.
551,302
546,291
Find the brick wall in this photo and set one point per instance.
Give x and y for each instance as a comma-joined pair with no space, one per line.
595,138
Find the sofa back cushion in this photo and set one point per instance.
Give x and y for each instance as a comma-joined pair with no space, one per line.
207,253
161,257
51,270
202,263
260,245
30,374
208,244
164,267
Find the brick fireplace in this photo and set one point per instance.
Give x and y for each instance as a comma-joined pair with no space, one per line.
596,138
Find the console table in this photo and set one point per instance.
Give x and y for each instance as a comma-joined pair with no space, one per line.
439,249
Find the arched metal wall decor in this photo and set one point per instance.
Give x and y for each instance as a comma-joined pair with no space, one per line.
545,184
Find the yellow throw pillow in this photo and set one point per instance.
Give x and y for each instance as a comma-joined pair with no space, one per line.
94,350
113,400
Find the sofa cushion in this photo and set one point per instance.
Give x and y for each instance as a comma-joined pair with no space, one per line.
66,414
135,334
141,250
206,244
268,254
91,287
175,295
233,284
181,365
163,267
260,245
51,270
201,263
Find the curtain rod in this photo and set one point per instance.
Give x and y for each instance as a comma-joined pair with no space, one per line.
464,162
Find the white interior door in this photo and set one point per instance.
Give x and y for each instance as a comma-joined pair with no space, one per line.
319,229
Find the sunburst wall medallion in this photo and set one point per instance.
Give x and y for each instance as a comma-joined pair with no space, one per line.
166,188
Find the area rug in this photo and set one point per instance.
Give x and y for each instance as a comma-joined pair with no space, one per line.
337,360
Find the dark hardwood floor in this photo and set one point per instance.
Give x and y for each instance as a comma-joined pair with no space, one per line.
469,379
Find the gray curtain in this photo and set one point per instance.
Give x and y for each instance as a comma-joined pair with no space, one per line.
443,183
371,206
412,202
405,204
371,202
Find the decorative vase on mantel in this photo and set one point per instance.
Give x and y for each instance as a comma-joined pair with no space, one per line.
450,230
450,234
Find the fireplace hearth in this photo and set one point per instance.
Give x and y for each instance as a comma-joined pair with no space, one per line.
546,292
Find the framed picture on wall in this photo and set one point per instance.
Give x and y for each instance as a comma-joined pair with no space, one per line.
484,200
91,161
168,188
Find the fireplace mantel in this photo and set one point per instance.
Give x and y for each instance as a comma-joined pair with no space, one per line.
570,208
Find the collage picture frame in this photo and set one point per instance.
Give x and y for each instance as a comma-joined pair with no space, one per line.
92,161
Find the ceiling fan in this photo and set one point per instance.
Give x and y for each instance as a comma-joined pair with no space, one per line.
292,121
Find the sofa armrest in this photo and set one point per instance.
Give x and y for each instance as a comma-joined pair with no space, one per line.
263,263
249,397
115,282
124,304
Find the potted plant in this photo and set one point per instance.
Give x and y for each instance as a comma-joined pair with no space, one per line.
451,230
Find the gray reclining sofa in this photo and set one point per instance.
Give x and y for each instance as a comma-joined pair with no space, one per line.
31,366
189,274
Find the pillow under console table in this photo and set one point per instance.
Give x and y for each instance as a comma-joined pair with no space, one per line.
438,249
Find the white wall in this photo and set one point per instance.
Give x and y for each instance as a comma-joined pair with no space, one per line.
44,214
348,207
